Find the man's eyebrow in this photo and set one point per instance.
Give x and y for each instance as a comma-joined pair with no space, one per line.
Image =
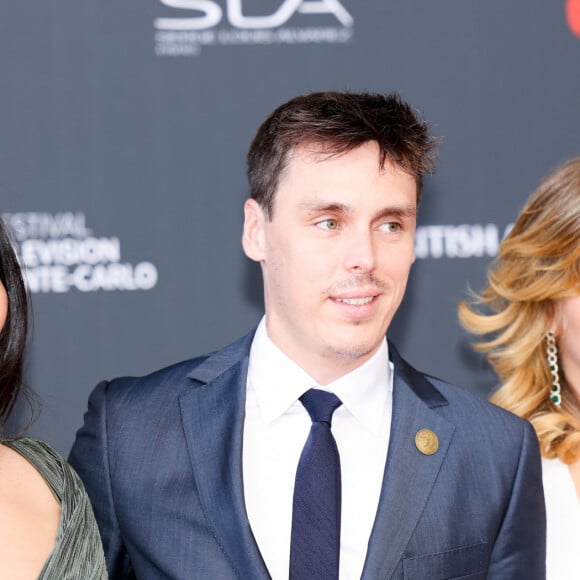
402,211
322,206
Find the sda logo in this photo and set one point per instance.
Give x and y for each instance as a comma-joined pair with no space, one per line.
186,34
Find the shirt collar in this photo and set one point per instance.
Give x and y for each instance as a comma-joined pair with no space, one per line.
279,382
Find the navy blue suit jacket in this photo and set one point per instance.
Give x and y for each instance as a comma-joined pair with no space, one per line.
161,458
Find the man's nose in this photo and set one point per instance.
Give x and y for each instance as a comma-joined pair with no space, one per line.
360,251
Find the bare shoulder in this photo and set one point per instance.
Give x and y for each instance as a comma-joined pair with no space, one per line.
29,517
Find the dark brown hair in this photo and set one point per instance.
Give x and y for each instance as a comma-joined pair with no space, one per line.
338,123
15,330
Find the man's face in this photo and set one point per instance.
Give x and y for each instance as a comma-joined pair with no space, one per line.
335,256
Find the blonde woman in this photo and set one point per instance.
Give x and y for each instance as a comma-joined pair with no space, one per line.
529,315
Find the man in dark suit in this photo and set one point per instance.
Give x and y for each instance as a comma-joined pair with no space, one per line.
201,470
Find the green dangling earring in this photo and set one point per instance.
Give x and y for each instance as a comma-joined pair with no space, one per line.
552,352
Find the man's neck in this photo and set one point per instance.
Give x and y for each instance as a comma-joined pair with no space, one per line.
324,368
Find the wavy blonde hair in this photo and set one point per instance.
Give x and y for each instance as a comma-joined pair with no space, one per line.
537,265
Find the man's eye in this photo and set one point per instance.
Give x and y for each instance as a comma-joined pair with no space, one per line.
329,224
391,227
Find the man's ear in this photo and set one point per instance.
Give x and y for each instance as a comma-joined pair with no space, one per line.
253,236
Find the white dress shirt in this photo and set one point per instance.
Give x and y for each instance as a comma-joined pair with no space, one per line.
276,427
563,522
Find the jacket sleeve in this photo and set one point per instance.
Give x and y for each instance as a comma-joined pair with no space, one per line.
90,458
520,547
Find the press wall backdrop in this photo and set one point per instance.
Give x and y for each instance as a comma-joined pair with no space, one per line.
123,133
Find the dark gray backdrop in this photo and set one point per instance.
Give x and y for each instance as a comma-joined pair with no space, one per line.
124,129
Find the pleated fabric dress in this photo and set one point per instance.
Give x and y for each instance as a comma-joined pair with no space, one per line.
78,553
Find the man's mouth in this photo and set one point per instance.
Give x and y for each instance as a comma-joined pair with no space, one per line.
355,301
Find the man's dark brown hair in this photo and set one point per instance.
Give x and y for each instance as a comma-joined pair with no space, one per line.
336,123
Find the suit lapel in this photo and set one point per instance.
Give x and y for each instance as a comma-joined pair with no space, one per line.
213,417
409,474
213,412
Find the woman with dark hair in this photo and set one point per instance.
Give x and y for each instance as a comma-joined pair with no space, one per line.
14,324
47,527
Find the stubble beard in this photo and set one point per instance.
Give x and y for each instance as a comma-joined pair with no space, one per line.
350,353
364,348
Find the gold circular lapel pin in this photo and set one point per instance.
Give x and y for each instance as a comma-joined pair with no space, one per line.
426,442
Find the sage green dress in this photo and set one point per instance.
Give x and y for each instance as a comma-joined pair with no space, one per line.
78,553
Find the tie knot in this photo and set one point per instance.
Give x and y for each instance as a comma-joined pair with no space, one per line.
320,405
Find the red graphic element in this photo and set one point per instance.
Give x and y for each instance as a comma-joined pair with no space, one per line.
573,16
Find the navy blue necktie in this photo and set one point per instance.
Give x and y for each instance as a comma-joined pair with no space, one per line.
315,539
